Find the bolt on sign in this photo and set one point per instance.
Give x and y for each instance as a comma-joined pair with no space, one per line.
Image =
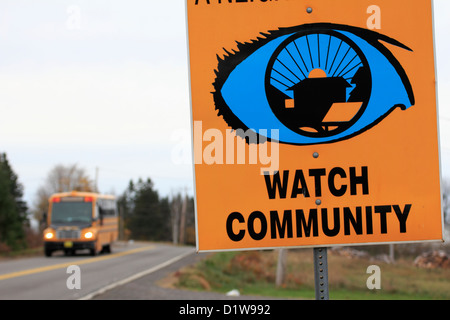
314,123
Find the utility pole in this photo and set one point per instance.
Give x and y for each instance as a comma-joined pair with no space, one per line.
183,219
175,213
391,253
281,267
96,179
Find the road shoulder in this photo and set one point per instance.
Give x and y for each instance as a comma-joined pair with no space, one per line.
154,286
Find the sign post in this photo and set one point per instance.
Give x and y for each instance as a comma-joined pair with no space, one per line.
321,273
314,124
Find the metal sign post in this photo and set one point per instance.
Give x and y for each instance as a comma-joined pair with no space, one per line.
321,273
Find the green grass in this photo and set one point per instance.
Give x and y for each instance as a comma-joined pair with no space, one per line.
253,273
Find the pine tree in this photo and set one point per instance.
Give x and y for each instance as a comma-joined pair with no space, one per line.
13,210
149,217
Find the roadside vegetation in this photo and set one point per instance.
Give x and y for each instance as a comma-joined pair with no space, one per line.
253,273
143,214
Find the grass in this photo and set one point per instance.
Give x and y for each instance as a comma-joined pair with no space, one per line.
253,273
29,252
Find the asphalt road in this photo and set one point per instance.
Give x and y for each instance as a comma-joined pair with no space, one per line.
41,278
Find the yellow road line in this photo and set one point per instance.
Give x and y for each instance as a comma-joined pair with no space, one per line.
78,263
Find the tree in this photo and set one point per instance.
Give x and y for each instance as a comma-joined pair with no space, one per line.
13,210
125,205
182,219
61,179
147,216
178,217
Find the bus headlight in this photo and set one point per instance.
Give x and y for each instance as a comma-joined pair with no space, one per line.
89,235
49,235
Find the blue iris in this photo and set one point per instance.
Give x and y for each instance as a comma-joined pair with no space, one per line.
339,51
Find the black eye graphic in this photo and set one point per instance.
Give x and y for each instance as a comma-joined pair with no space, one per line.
316,83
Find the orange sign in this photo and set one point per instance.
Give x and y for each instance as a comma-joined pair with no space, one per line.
314,123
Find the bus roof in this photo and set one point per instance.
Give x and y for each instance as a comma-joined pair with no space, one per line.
81,194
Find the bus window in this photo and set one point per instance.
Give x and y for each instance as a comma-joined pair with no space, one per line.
67,212
108,207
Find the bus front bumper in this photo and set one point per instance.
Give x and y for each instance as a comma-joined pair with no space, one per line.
68,245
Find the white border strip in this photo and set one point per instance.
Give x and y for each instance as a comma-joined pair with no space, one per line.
136,276
192,124
438,120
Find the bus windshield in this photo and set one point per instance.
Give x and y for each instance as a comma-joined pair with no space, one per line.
66,212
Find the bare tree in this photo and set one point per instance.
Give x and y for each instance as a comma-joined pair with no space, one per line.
178,211
61,179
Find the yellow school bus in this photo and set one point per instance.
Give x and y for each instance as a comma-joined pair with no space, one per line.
81,220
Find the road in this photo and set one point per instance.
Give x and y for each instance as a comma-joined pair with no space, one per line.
41,278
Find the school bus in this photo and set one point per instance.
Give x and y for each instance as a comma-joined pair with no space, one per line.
81,220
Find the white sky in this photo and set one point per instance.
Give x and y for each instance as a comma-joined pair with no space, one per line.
107,90
110,89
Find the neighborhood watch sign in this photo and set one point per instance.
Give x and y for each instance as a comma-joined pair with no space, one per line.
313,125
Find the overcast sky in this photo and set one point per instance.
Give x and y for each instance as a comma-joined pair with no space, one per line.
98,83
105,84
